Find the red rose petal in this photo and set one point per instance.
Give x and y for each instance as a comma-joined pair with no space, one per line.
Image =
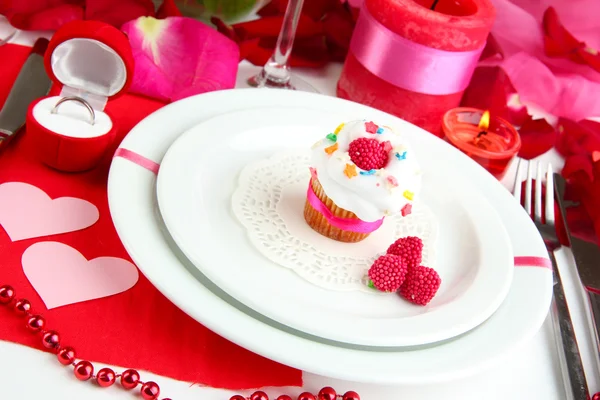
590,57
50,18
316,9
271,26
576,163
252,51
118,12
581,137
338,27
274,7
492,49
558,42
537,137
225,29
168,9
490,89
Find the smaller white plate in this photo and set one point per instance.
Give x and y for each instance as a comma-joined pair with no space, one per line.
200,172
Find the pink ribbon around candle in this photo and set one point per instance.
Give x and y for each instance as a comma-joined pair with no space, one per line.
347,224
407,64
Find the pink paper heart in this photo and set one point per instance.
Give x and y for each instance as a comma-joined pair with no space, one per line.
61,275
27,212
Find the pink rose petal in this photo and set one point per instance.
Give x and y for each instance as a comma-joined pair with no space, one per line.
177,57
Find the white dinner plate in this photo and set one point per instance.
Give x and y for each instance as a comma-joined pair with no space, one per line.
134,209
200,172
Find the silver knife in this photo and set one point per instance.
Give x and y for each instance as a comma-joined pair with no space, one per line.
31,83
587,259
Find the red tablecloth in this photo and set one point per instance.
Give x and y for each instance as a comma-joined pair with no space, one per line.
138,328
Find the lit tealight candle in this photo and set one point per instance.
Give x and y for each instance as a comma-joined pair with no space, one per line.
491,141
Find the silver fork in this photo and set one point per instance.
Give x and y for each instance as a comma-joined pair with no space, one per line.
571,365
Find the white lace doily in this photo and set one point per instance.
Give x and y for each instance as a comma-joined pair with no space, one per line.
269,203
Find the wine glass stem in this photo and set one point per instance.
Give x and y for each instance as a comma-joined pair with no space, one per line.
276,69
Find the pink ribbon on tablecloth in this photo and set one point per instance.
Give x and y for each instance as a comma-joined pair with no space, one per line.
347,224
137,159
407,64
528,261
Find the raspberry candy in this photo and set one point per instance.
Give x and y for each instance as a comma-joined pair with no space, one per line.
410,248
387,273
368,154
421,285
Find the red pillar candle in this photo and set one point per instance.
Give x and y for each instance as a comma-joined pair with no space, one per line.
454,28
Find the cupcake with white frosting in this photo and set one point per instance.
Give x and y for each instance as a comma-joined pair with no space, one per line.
360,173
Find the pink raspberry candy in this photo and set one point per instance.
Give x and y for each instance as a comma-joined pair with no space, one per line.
387,273
368,154
410,248
421,285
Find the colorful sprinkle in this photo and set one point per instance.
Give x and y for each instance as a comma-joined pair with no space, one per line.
387,146
331,149
392,181
332,137
371,127
350,171
369,172
406,210
345,157
313,172
380,130
338,129
408,195
401,156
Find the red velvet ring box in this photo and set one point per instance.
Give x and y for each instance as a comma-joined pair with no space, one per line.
92,61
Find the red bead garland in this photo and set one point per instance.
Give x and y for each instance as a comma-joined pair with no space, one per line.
105,377
35,323
351,395
51,340
7,293
259,396
130,379
327,393
66,356
306,396
22,306
150,391
84,370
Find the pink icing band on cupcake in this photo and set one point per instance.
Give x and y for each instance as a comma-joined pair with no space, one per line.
346,224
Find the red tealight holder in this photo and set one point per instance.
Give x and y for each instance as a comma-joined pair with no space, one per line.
489,140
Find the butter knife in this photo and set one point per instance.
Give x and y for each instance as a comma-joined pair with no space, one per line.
587,260
31,83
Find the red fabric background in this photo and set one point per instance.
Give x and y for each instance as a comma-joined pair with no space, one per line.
139,328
